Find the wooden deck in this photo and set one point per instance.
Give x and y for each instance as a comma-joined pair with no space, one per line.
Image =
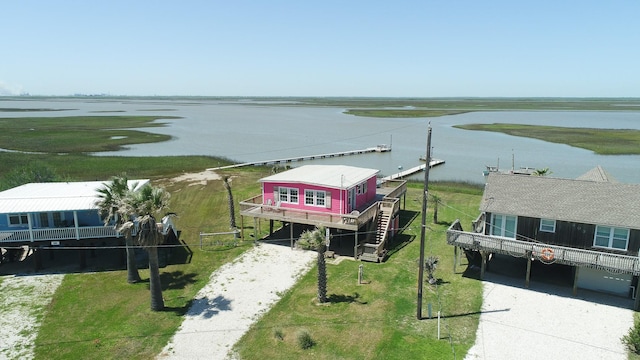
413,170
616,263
255,207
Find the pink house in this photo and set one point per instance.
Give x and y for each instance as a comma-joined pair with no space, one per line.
338,197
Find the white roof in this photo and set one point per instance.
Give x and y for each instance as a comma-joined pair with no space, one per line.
54,196
334,176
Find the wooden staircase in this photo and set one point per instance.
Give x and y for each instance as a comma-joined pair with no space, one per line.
375,251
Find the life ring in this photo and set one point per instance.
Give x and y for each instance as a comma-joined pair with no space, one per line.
547,254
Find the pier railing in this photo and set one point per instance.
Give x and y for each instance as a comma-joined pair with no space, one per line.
561,254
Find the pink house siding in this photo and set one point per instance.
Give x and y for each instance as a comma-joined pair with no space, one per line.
329,199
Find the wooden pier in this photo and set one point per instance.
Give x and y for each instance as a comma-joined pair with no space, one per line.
378,148
413,170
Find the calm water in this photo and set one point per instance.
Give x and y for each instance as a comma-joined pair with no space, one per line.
251,132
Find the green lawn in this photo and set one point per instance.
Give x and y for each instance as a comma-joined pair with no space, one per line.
600,141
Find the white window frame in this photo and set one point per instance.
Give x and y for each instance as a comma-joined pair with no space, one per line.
361,188
315,198
288,195
548,225
500,229
23,219
611,234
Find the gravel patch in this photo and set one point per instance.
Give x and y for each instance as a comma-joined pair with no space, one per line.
236,296
23,300
547,322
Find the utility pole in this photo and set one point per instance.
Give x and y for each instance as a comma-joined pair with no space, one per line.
424,224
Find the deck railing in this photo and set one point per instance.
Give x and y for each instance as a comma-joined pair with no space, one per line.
254,207
561,254
53,234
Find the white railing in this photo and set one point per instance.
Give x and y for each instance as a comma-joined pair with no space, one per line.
49,234
561,254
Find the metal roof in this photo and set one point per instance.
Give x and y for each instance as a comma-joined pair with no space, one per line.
55,196
333,176
571,200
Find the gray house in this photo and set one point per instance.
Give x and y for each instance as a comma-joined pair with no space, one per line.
591,223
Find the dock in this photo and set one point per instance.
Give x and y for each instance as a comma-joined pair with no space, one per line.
377,148
413,170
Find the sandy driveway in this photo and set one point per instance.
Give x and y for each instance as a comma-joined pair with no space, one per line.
546,322
236,296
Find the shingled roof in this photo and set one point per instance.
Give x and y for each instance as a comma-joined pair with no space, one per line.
573,200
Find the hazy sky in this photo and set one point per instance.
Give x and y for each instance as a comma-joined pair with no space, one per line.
424,48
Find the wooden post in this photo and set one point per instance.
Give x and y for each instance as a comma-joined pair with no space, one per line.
255,230
291,233
270,227
355,246
455,258
242,227
528,276
483,265
575,281
636,304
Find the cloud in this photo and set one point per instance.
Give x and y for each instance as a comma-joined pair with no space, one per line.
9,90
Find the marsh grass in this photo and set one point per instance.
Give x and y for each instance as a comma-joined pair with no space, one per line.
77,134
600,141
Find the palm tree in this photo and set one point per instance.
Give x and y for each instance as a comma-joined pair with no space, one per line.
111,207
146,202
542,172
232,209
315,240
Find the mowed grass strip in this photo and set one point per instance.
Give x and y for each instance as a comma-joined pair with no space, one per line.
600,141
77,134
378,319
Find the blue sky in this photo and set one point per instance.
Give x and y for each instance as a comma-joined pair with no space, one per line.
422,48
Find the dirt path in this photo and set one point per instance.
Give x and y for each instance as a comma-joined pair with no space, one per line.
23,300
236,296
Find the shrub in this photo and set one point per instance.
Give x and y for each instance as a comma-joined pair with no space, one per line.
304,340
278,334
632,339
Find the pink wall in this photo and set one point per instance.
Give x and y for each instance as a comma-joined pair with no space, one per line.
334,194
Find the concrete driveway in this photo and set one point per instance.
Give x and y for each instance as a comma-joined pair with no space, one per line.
547,322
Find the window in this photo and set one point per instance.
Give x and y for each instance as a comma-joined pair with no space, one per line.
288,195
548,225
315,198
18,219
611,237
503,225
361,188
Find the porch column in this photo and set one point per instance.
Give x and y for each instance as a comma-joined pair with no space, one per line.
270,227
528,276
30,227
355,246
75,222
483,264
575,281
